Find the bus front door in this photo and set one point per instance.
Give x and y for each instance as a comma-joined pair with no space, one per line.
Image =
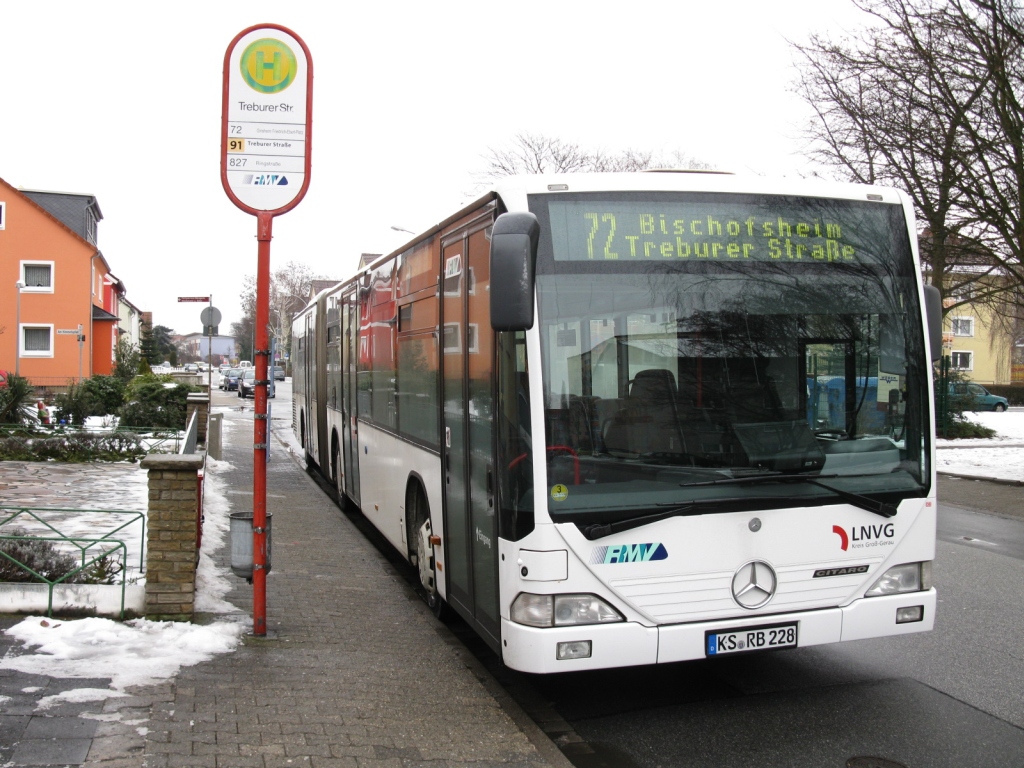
468,463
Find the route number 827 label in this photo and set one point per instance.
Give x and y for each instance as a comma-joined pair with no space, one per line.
750,639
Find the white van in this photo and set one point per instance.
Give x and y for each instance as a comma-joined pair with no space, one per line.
245,364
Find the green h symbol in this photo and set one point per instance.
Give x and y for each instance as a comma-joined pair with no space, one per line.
273,67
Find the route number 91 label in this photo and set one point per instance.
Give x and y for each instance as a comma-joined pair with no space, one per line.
750,639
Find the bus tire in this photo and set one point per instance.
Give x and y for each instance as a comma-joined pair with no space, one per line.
421,553
337,468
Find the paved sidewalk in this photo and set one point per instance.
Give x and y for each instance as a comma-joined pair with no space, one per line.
355,670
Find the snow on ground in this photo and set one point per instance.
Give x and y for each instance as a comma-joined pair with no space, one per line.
1001,457
138,652
213,582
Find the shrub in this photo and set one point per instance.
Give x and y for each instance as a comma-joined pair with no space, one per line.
105,394
15,400
43,557
51,563
73,404
96,396
56,445
151,403
962,428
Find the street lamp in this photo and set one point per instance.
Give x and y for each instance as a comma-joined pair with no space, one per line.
402,229
17,329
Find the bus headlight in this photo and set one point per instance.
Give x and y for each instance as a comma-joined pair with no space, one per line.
909,577
562,610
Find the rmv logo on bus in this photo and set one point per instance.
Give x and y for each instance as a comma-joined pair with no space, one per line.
629,553
880,535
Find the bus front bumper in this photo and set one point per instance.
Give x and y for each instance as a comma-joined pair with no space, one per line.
535,650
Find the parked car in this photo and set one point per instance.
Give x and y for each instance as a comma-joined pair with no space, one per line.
3,378
278,373
224,367
191,368
229,381
974,397
247,384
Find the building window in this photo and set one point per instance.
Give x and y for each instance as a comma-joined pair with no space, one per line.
963,326
36,340
452,338
3,214
962,361
37,276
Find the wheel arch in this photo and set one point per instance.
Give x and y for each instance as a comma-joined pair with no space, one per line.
414,485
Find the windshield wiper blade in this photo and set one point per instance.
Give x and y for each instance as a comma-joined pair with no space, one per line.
863,502
600,530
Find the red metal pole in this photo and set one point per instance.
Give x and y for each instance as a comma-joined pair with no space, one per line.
261,431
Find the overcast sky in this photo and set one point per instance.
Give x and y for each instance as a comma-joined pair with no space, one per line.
122,100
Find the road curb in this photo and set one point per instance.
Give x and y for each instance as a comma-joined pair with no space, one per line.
998,480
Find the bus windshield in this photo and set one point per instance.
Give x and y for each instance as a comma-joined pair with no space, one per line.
689,338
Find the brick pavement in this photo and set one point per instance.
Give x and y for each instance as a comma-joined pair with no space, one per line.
355,670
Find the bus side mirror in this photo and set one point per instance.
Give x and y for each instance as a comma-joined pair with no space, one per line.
513,258
933,307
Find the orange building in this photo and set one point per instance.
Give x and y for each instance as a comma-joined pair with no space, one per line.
53,282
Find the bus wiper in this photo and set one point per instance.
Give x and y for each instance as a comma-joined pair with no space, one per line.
600,530
863,502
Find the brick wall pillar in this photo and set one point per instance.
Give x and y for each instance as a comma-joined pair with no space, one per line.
171,546
199,401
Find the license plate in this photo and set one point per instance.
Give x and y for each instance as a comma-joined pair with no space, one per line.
750,639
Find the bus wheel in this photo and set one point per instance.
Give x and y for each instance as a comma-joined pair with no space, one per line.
423,555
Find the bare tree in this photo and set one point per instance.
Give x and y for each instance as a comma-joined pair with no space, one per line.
289,292
993,187
925,97
534,153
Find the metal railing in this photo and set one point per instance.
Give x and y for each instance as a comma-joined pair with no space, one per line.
191,434
89,549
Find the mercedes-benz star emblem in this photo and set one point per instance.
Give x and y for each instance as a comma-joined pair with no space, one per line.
754,584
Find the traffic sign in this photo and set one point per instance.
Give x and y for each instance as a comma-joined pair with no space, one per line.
210,316
266,119
203,299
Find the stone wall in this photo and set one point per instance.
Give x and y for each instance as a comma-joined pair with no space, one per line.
171,545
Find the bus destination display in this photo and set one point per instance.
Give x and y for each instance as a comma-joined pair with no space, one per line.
603,230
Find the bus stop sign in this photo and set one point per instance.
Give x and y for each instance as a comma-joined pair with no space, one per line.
266,119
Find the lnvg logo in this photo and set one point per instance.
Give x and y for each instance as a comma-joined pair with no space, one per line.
862,536
268,65
628,553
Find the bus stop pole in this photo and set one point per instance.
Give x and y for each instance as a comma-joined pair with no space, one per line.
261,431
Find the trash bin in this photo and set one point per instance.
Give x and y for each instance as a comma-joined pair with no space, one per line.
241,544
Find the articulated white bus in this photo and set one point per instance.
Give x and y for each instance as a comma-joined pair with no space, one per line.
640,418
